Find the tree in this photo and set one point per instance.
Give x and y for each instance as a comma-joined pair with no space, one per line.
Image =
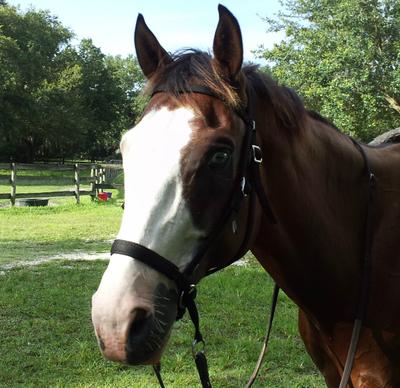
29,44
102,99
63,112
343,58
58,101
128,76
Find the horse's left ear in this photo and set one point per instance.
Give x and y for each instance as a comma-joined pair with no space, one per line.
228,46
150,54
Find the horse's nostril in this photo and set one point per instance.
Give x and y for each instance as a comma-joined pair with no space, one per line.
140,317
140,324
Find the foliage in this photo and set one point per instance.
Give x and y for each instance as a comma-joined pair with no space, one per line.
57,100
343,58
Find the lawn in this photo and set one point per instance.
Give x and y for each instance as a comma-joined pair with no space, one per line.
46,337
32,233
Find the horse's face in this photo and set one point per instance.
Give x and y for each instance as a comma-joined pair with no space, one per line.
180,164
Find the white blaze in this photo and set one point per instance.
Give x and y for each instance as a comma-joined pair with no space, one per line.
156,214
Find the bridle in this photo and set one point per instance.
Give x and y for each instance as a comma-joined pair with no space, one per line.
248,185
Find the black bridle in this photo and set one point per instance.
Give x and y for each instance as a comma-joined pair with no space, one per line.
248,185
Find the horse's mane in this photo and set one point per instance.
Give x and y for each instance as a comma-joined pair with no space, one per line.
193,67
317,116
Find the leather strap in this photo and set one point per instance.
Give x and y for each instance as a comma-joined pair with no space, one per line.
261,194
157,371
366,270
201,89
266,338
152,259
248,169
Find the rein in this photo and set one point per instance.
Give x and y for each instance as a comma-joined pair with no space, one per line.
366,270
248,187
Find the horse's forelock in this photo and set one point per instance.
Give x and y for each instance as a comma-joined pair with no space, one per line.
193,67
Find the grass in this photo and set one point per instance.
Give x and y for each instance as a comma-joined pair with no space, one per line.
30,233
33,232
46,336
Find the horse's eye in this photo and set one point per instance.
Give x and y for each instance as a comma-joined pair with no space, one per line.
219,159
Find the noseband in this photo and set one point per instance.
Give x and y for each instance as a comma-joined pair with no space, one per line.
248,185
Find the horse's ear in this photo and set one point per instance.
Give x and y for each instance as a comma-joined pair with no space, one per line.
150,53
228,46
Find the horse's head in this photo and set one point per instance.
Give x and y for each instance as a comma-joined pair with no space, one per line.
181,164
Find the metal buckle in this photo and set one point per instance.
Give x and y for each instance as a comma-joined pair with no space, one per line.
257,154
192,289
234,227
243,186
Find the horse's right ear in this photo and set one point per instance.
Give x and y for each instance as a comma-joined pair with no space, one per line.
150,53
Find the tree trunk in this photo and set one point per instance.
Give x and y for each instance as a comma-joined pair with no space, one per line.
394,104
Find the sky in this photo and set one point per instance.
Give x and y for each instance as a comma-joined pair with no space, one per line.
177,24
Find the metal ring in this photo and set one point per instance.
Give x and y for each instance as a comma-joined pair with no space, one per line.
195,343
257,154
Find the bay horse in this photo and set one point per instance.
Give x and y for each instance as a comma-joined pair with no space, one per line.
186,161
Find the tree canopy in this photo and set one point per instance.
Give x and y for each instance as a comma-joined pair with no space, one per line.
57,100
343,58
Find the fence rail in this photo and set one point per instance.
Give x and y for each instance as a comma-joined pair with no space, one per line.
100,175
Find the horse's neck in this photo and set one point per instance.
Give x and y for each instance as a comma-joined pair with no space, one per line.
317,189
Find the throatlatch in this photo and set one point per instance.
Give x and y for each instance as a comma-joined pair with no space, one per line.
248,186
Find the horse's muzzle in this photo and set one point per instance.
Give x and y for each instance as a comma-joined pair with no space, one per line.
143,335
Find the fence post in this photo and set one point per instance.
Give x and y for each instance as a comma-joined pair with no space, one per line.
92,183
104,175
13,182
76,180
101,175
98,181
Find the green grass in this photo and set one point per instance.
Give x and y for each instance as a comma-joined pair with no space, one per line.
35,232
46,337
30,233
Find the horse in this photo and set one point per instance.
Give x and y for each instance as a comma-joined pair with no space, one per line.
186,161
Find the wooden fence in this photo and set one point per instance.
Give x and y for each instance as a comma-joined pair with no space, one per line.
99,180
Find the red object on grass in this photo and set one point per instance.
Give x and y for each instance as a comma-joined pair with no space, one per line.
103,196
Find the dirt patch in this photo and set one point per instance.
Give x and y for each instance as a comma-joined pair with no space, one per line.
73,256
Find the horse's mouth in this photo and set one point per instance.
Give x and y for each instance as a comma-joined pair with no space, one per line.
147,338
149,333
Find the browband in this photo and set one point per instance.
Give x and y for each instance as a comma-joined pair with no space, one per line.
200,89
